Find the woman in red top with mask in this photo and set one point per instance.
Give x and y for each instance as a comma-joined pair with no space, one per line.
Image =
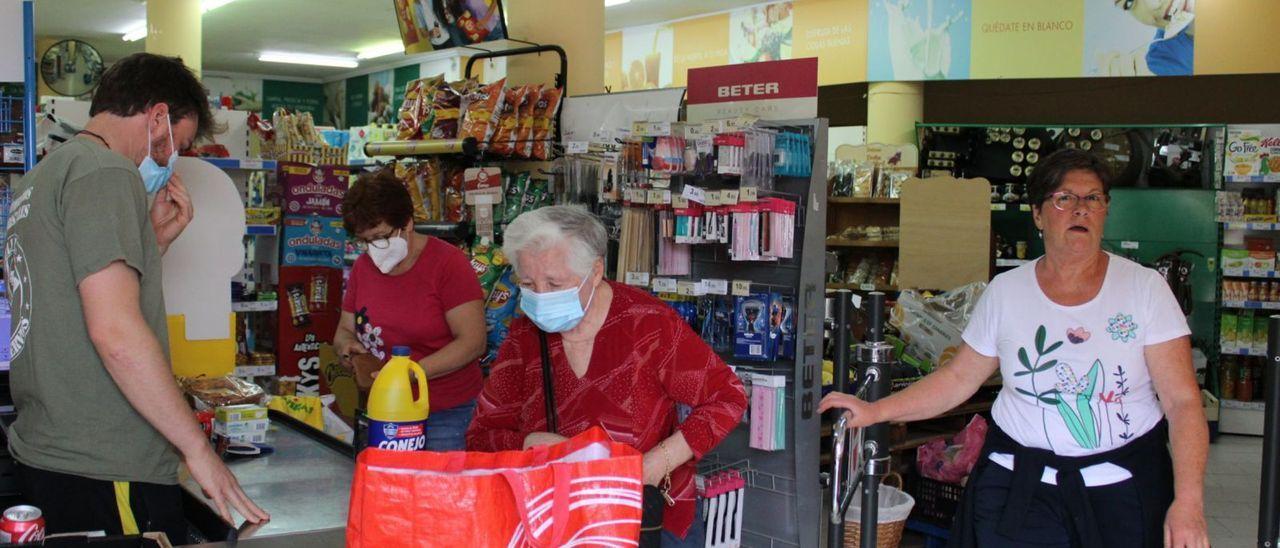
413,290
620,359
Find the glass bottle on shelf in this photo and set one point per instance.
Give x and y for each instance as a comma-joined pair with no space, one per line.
1011,194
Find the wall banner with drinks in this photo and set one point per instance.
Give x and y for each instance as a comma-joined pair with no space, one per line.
901,40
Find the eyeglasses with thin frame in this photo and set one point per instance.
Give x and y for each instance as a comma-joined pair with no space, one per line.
1066,201
382,242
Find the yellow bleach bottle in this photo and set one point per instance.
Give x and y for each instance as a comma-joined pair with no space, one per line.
396,420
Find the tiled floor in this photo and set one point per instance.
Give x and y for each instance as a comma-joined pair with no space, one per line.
1231,491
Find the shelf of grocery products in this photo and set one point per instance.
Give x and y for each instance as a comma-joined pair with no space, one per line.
861,243
862,287
1240,351
254,306
261,230
1248,273
1241,417
250,371
856,200
1271,178
242,163
1006,263
1258,305
1025,208
1249,225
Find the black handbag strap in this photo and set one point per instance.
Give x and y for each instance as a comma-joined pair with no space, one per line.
548,389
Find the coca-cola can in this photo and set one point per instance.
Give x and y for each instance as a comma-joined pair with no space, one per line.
22,524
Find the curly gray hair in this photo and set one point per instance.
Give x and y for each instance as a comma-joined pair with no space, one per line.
544,228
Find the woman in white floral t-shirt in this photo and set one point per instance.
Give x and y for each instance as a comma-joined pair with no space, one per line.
1096,361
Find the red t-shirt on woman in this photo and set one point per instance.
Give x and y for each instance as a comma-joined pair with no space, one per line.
408,310
645,360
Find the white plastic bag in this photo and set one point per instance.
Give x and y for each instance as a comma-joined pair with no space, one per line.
333,424
932,326
895,505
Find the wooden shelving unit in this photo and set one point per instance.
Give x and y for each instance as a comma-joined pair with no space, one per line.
846,200
862,243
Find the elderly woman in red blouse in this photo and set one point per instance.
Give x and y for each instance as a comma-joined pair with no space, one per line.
620,359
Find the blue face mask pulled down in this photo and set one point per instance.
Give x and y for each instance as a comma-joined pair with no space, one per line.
555,311
154,175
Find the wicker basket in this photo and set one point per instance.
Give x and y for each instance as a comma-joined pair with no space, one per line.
888,535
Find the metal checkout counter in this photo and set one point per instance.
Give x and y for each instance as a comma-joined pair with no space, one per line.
305,485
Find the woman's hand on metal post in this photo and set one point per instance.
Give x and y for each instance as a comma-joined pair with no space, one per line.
860,413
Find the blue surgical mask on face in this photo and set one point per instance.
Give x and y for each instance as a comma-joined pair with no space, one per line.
154,175
555,311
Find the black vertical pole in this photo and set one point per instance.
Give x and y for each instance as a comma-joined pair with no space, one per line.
840,359
875,357
840,338
1269,505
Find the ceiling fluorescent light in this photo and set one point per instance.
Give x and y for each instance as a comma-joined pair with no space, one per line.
210,5
381,49
307,59
139,32
608,3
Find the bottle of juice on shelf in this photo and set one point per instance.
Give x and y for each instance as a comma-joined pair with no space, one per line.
394,418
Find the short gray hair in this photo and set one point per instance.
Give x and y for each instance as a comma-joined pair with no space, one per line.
541,229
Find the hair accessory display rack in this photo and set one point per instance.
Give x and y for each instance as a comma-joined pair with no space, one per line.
783,503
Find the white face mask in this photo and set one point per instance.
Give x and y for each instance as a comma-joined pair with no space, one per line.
387,253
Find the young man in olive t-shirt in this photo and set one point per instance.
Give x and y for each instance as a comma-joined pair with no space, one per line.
101,425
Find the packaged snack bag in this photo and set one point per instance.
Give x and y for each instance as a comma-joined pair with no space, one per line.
517,185
480,111
415,112
503,142
488,263
524,126
446,109
455,206
408,175
544,120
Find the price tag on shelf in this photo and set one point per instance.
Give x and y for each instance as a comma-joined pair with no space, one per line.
716,287
741,288
748,194
654,196
998,207
575,147
713,198
679,202
729,197
867,287
638,279
686,288
251,164
602,136
664,285
666,196
694,193
1128,244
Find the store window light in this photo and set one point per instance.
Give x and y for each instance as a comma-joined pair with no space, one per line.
307,59
139,30
608,3
381,49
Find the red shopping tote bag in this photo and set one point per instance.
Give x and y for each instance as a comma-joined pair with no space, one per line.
582,492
